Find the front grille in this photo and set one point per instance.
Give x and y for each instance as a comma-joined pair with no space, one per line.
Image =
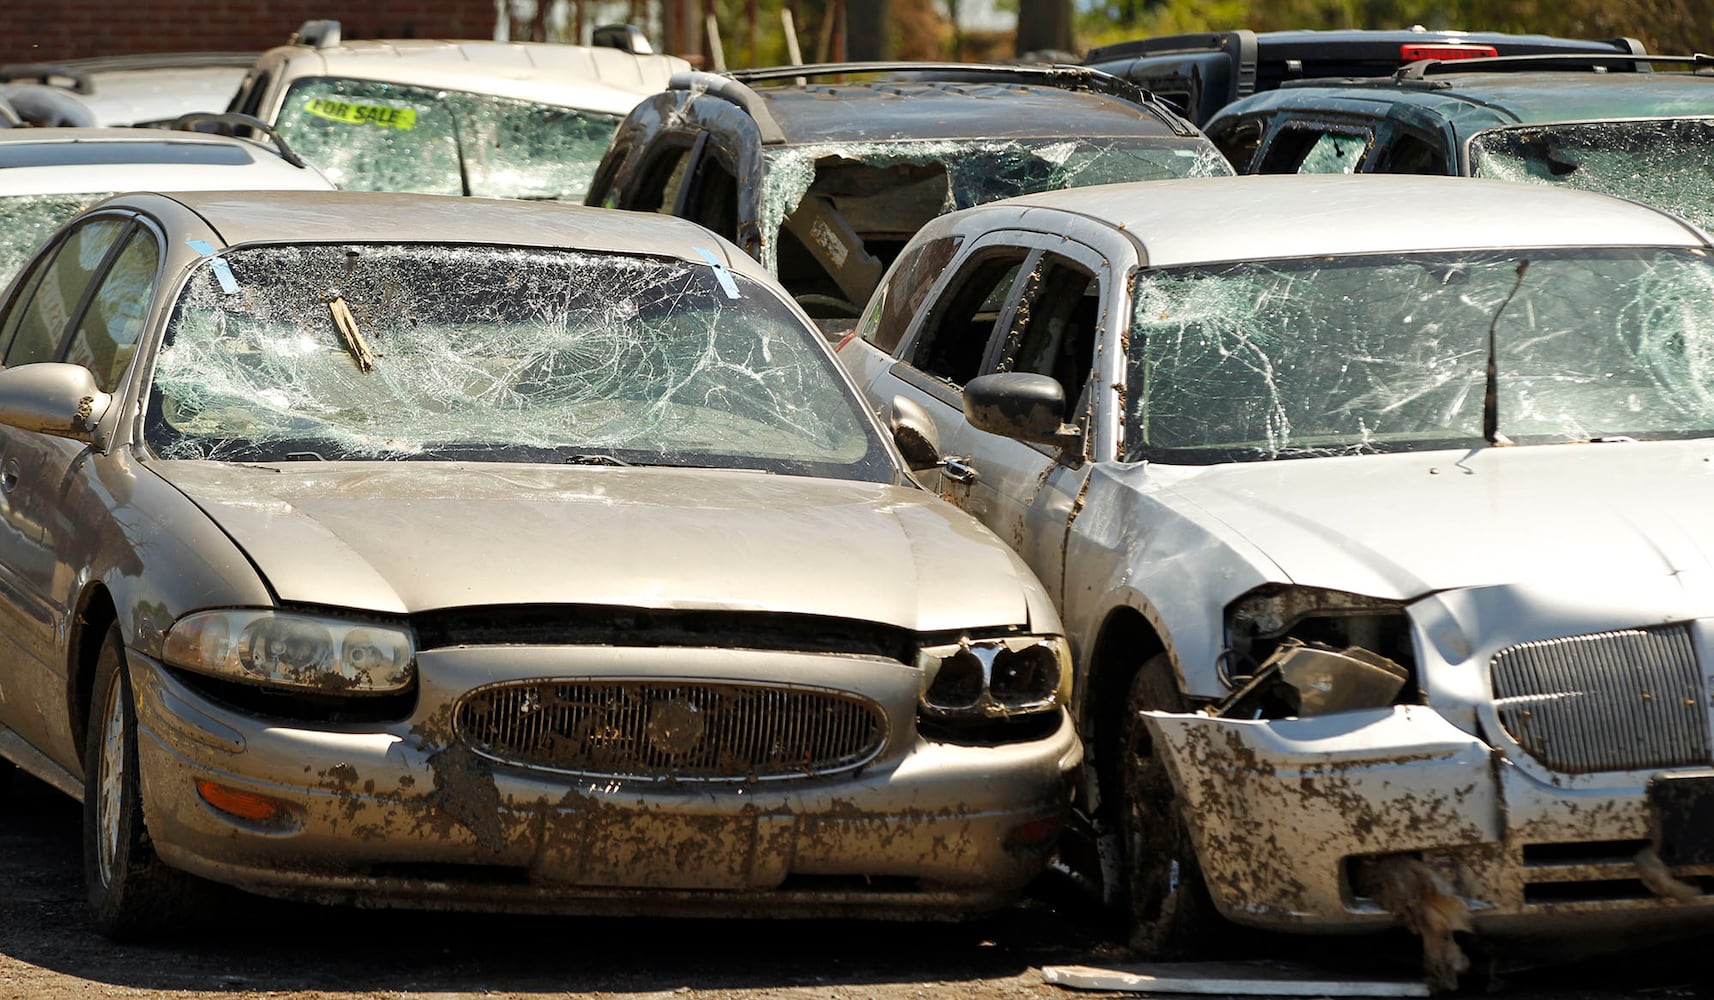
1612,701
671,730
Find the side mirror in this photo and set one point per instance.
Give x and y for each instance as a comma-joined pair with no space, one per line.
624,37
1022,405
52,398
915,435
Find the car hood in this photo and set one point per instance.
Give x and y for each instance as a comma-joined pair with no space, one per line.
404,537
1404,525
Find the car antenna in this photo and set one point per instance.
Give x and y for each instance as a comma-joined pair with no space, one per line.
1491,397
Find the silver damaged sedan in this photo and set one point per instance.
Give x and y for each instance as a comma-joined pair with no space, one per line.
439,552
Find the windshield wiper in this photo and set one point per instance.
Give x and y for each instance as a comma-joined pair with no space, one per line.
1491,397
596,459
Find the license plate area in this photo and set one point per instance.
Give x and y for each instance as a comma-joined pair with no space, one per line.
1681,811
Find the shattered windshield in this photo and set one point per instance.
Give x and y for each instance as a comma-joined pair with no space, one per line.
372,136
1303,358
26,222
1667,163
497,354
886,191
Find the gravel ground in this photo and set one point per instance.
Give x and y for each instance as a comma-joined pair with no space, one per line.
260,948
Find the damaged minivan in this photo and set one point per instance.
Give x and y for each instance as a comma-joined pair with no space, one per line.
440,552
823,172
1384,550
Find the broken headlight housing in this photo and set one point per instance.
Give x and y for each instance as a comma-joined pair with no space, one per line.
303,652
1301,651
997,678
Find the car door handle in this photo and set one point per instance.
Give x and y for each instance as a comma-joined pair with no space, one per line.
9,476
959,470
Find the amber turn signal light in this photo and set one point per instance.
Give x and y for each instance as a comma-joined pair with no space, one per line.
244,805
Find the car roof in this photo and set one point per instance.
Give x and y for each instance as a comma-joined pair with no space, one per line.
242,217
141,87
81,160
596,78
1268,217
1472,101
879,111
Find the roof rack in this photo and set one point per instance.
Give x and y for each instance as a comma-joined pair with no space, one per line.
231,122
734,86
1594,62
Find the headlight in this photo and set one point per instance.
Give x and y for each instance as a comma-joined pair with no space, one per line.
326,655
995,678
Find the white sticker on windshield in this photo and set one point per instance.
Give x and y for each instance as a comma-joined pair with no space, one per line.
222,271
721,275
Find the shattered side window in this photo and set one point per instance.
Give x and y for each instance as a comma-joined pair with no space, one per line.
498,354
1303,358
26,222
372,136
886,191
1666,163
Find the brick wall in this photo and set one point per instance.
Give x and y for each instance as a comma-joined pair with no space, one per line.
40,30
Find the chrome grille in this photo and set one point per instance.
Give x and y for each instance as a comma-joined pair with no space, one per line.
1611,701
680,730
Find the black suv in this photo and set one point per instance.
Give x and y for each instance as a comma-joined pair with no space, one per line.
1199,74
1593,123
825,181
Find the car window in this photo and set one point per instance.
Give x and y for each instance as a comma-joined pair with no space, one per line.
1055,333
107,336
1309,149
372,136
1665,162
660,177
1409,153
714,197
1263,360
913,276
958,330
1239,143
42,322
587,358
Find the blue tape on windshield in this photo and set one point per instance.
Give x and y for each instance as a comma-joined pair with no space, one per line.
222,270
721,275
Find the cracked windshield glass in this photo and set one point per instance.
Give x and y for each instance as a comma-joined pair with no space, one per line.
1667,163
885,191
497,354
1302,358
28,221
369,136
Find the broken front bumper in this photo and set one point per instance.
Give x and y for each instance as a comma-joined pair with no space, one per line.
402,814
1286,814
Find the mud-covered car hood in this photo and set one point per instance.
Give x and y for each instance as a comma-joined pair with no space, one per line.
1403,525
405,537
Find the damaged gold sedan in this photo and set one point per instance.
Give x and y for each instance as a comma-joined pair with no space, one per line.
555,568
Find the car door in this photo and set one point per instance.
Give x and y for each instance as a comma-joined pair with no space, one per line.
1025,492
945,345
88,305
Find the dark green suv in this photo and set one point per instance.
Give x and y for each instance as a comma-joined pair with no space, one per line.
1607,124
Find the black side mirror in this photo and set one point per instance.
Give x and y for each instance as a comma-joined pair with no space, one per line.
1022,405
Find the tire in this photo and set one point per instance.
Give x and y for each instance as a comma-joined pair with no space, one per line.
1171,916
131,894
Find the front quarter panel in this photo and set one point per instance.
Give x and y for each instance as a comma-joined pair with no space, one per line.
1136,544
